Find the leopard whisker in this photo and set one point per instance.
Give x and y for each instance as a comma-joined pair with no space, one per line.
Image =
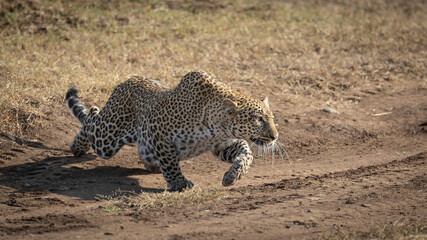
279,150
272,154
282,149
265,151
273,148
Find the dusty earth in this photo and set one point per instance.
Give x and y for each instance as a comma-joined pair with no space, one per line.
350,172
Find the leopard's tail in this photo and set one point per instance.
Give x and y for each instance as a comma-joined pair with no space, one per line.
75,105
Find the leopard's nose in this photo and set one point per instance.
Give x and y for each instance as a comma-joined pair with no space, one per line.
274,136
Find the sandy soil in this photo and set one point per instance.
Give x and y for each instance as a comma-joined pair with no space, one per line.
352,171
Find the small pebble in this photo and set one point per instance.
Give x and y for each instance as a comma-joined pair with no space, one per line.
330,110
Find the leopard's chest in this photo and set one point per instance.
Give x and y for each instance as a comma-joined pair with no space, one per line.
195,143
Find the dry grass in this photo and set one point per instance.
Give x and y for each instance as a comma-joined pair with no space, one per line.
285,49
398,230
195,196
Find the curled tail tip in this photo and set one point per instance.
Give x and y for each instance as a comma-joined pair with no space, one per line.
72,92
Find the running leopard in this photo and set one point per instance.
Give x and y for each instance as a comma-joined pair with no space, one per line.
170,125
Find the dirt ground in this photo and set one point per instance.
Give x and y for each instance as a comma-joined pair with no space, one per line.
346,81
361,169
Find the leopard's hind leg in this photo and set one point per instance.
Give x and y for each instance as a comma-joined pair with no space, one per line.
81,144
107,134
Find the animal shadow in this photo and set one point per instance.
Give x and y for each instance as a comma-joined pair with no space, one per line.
52,174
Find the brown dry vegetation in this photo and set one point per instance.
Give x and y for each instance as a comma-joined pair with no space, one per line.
314,49
365,59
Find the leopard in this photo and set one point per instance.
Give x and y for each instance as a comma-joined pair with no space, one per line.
169,125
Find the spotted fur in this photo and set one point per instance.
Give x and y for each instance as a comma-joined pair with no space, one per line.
169,125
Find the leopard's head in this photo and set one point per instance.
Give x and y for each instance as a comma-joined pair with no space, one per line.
252,120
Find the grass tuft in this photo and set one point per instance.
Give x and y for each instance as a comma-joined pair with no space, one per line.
191,197
110,209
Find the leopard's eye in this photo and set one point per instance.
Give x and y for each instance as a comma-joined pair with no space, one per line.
259,119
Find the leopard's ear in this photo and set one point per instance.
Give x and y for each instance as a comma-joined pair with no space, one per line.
231,107
265,101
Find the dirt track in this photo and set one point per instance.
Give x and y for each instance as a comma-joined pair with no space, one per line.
351,171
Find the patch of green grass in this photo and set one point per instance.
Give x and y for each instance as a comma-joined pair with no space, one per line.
110,209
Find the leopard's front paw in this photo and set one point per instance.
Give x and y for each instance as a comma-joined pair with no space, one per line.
231,177
180,185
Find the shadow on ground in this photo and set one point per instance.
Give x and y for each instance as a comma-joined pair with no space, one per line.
55,175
